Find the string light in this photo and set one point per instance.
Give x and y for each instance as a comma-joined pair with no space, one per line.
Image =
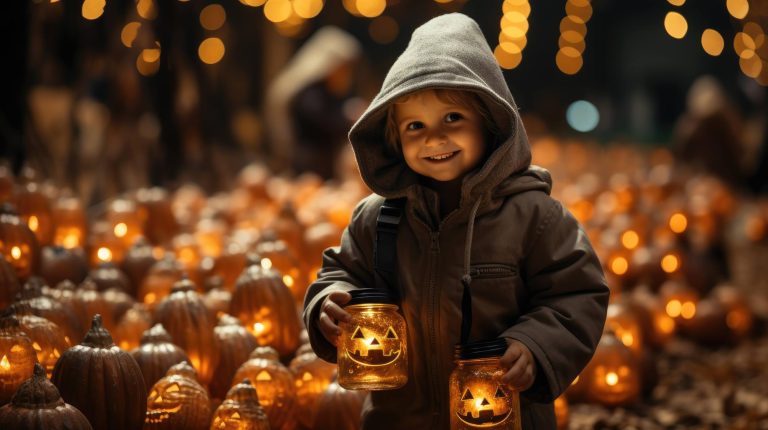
572,40
211,50
513,36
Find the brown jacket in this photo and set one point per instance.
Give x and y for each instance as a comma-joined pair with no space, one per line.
535,277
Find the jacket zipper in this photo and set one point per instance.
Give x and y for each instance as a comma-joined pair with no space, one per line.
433,305
491,271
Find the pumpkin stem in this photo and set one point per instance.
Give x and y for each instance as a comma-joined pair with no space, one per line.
39,372
98,336
183,285
156,334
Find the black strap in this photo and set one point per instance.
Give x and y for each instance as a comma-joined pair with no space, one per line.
385,248
466,309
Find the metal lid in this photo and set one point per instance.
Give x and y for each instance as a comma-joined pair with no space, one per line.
480,349
371,295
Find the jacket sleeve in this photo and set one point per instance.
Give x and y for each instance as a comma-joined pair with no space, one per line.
345,267
567,303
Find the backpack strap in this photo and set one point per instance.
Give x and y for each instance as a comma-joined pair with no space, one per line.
385,248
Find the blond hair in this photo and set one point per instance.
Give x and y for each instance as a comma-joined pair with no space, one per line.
465,98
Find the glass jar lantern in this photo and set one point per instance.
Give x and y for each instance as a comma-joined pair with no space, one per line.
372,350
478,397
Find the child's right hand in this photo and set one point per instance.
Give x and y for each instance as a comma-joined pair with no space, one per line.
330,313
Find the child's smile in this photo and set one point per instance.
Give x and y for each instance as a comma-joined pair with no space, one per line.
440,139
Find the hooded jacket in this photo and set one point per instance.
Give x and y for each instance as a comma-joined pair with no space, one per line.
534,275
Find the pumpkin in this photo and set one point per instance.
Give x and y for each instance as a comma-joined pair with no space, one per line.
188,202
160,280
317,239
47,338
17,357
178,401
125,219
339,409
69,222
103,245
107,275
37,405
185,317
657,327
93,303
18,244
137,262
210,235
51,309
287,228
612,377
35,210
312,376
274,383
103,381
9,283
626,326
285,261
59,264
156,354
119,303
230,264
240,410
217,300
132,326
265,305
160,225
235,346
187,251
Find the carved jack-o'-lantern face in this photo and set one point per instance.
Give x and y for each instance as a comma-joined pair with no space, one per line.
484,405
374,349
164,401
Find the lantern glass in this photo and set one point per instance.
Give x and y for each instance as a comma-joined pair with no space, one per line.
480,399
372,351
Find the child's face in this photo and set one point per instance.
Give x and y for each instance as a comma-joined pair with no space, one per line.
440,139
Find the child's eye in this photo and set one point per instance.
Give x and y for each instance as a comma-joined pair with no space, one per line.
453,116
414,125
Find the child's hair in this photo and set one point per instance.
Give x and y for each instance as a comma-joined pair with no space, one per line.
459,97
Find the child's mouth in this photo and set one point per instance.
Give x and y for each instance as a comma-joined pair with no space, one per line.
441,157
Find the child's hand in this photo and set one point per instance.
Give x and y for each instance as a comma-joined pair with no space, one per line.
522,367
330,313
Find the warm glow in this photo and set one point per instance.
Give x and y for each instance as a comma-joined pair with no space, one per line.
212,17
627,339
737,8
630,239
146,9
569,60
129,33
664,323
670,263
676,25
92,9
212,49
104,254
266,263
253,3
263,376
674,307
688,310
737,320
750,65
16,252
278,10
70,241
288,281
145,68
5,364
676,2
371,8
712,42
506,59
678,223
307,8
33,223
258,328
150,298
611,378
36,346
121,229
522,6
619,265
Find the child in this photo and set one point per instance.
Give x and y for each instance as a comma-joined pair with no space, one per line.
444,133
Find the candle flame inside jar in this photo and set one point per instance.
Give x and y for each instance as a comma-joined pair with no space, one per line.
121,229
16,252
611,378
104,254
5,364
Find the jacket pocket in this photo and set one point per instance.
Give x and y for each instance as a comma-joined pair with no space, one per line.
491,270
495,290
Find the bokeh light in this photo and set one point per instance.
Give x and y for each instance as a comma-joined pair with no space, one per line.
676,25
737,8
129,33
211,50
582,116
213,16
712,42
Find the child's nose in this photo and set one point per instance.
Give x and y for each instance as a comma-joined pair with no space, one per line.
436,138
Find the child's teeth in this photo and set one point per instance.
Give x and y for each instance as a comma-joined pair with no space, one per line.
441,157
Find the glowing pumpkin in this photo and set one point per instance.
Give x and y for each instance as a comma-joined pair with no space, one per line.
17,357
178,401
240,410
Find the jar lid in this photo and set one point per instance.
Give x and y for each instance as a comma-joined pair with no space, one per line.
371,295
480,349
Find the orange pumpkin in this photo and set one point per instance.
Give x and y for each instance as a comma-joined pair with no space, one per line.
240,410
217,301
103,245
339,409
58,264
312,376
185,317
93,303
157,354
107,275
160,224
278,256
18,244
51,309
9,283
47,338
137,263
178,401
230,264
17,357
613,374
35,210
69,222
131,327
160,280
235,345
125,220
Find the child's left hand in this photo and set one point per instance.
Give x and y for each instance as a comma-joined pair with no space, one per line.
522,367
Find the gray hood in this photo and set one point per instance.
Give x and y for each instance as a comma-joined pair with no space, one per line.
426,63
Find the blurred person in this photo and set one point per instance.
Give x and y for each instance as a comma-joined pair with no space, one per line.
305,113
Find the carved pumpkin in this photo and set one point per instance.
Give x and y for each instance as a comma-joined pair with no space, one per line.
722,317
339,409
35,210
17,357
160,224
157,354
132,326
137,263
59,264
160,280
679,300
47,338
613,374
37,405
103,245
235,346
312,376
70,223
277,255
117,398
51,309
185,317
274,383
626,326
18,244
657,327
240,410
125,221
178,401
9,283
107,275
267,309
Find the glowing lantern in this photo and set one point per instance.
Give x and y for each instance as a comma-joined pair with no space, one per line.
266,307
178,401
18,244
38,405
285,261
679,301
236,344
477,395
47,338
157,354
613,375
657,327
58,264
626,326
125,221
274,383
722,317
104,246
240,410
312,376
160,280
70,223
160,224
131,327
34,208
17,357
